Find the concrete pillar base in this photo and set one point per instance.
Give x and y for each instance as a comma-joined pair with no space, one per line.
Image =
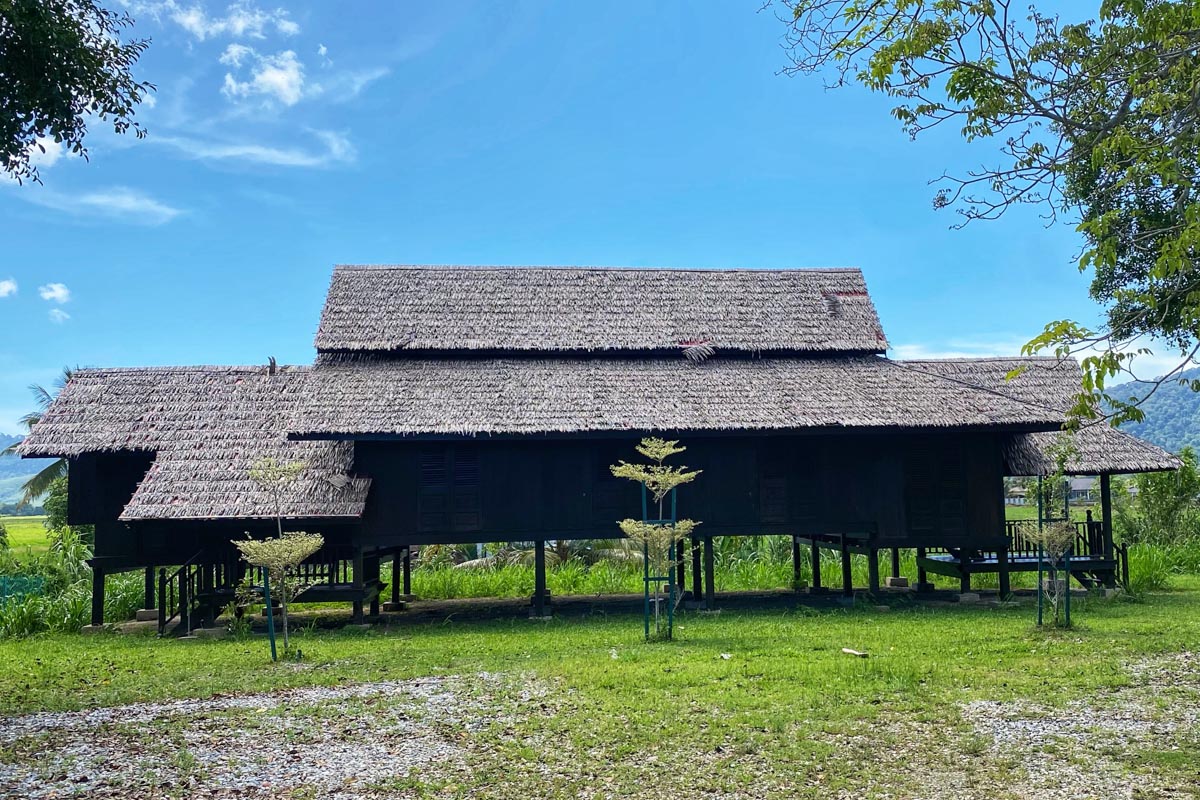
896,583
393,607
146,615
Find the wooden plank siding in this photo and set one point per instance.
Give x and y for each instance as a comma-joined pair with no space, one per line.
898,490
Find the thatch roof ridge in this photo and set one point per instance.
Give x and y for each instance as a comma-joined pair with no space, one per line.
587,268
401,309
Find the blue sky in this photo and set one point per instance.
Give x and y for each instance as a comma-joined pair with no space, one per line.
285,140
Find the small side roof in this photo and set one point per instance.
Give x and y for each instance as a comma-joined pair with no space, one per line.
594,309
206,426
1097,449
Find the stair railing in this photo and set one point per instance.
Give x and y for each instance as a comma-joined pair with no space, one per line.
177,593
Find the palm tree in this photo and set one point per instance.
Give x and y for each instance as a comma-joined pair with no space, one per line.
39,484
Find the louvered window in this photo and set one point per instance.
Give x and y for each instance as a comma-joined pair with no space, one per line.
448,496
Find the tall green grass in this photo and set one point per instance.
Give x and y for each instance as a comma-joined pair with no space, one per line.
55,589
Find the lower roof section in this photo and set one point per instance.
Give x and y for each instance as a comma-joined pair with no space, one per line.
349,397
206,427
1095,449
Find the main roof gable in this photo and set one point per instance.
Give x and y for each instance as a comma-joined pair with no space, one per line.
575,309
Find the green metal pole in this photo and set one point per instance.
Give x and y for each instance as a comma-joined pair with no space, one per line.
270,610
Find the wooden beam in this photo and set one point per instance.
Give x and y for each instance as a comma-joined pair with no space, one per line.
680,567
873,571
964,566
922,575
697,574
896,562
372,568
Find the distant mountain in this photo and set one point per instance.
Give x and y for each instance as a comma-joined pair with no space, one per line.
1172,412
14,470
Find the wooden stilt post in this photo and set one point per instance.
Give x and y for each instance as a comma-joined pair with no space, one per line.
922,574
847,574
372,569
697,575
1106,527
407,572
358,584
539,578
97,596
680,567
816,565
873,570
148,602
896,562
1002,567
710,581
396,578
964,566
796,563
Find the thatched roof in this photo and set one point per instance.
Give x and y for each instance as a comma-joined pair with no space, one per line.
530,309
206,427
349,396
1096,449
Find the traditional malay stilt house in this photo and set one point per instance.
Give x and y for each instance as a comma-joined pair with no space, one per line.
454,404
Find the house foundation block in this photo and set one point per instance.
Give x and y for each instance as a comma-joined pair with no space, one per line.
393,607
146,615
896,583
968,597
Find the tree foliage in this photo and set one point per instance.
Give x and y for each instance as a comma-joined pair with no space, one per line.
62,64
280,557
1095,120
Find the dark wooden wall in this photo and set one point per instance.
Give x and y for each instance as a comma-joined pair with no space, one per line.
896,489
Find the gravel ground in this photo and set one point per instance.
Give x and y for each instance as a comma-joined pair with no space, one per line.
342,743
1094,749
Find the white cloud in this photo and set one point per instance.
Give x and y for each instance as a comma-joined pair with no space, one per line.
346,85
8,287
235,54
45,152
336,149
242,20
278,77
118,203
58,316
55,292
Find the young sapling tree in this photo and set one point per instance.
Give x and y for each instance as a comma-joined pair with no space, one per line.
657,537
279,556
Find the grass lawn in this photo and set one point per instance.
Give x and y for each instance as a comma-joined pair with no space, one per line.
26,533
753,704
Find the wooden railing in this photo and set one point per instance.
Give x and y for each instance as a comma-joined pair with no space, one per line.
176,594
1023,541
194,583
